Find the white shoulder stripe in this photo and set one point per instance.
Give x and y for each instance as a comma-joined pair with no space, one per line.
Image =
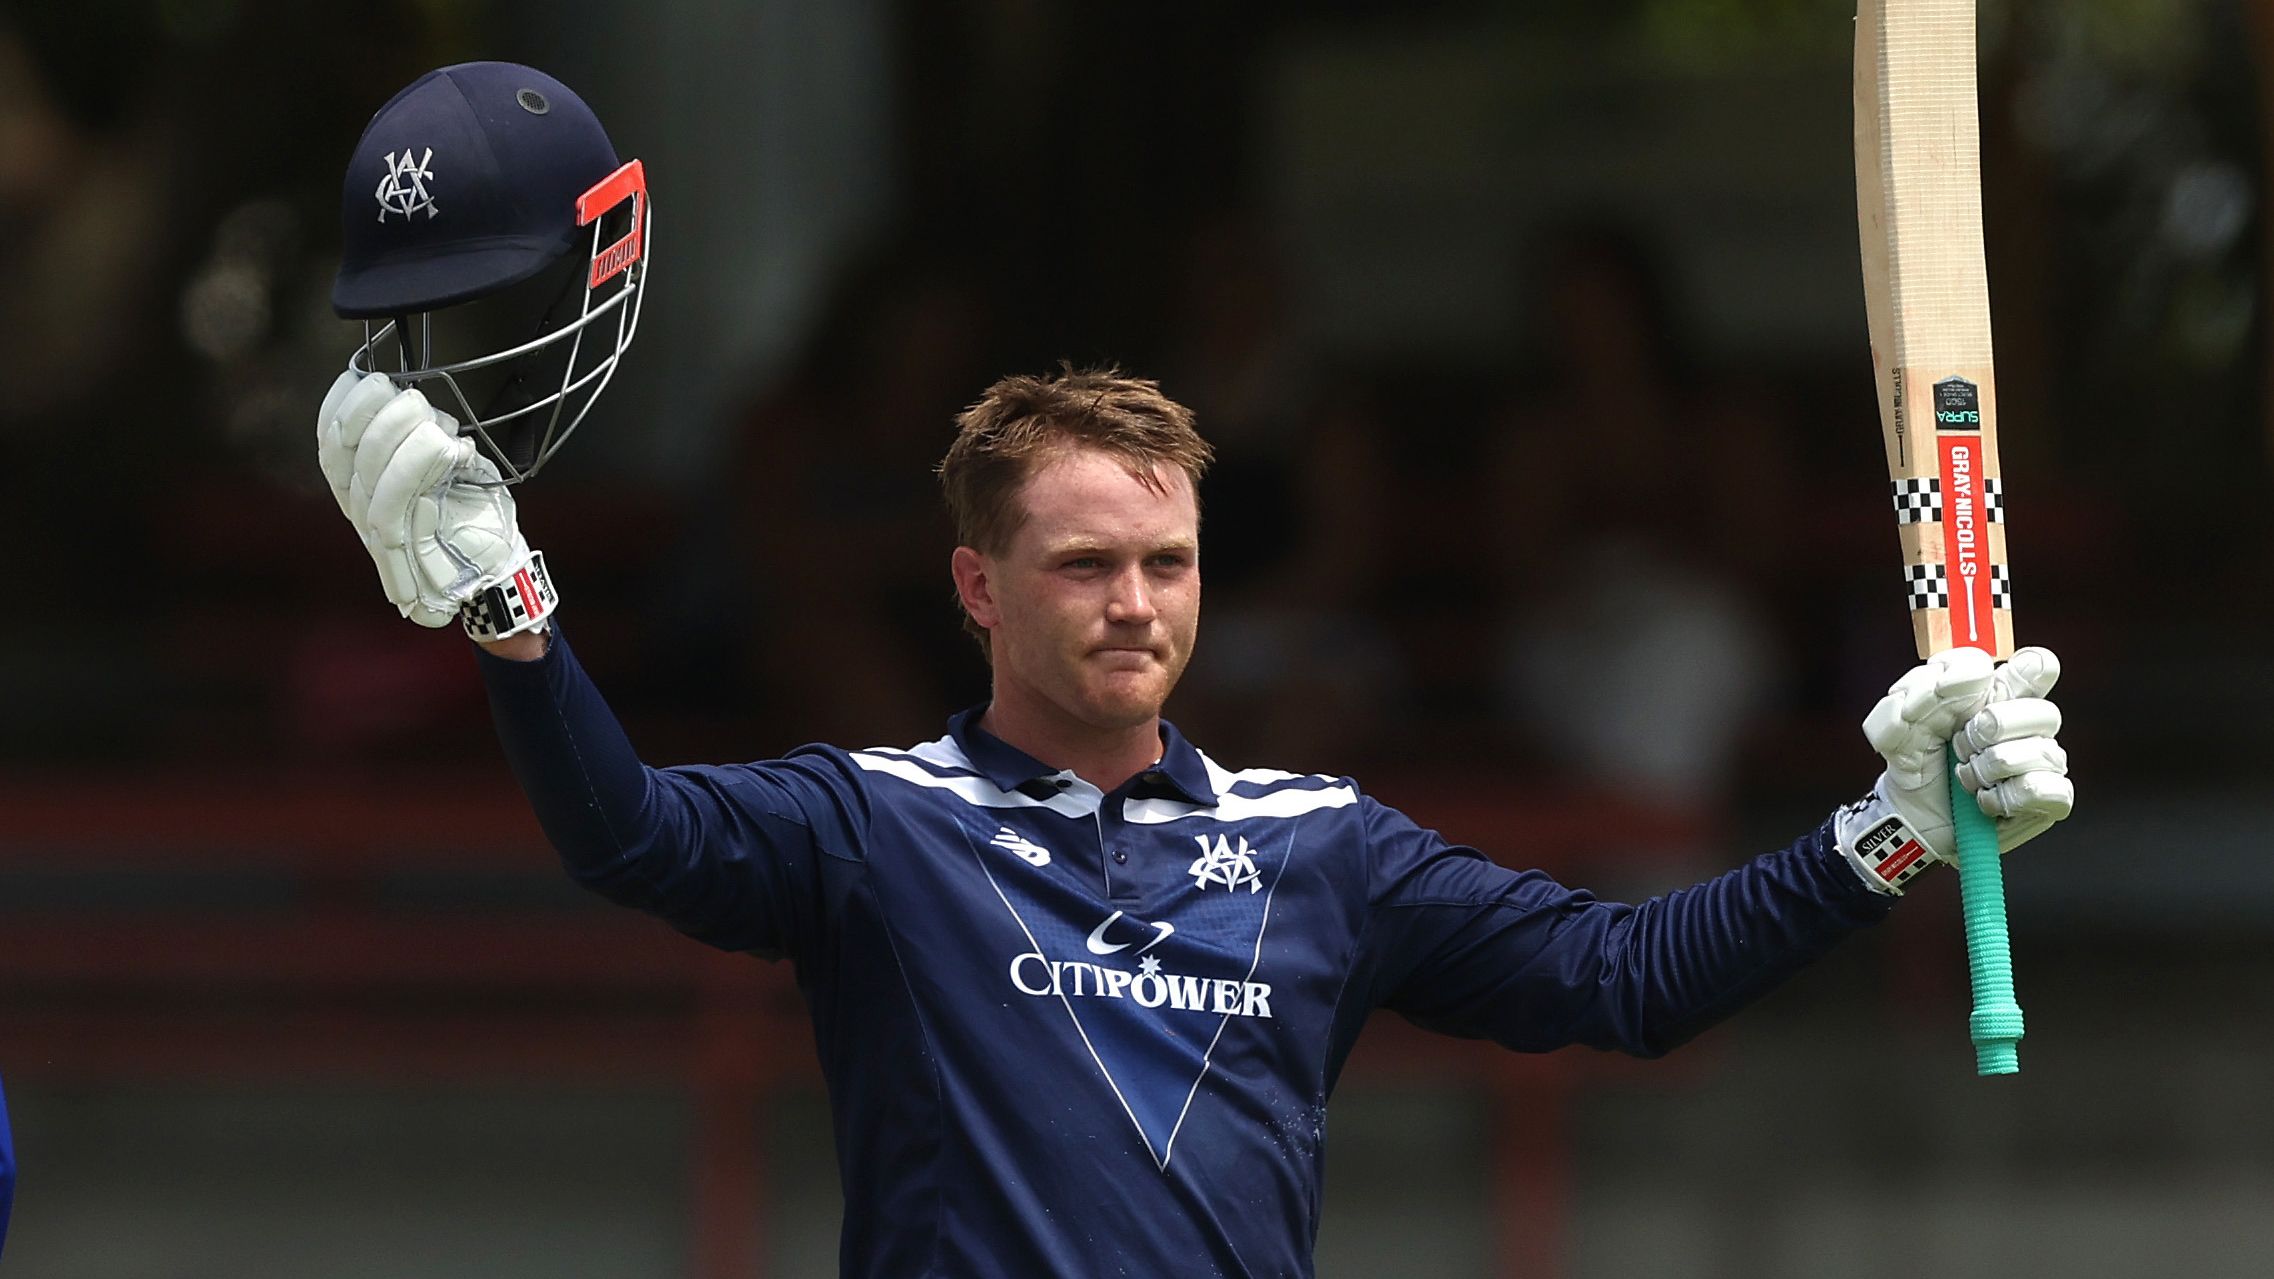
1292,802
1223,779
944,752
1080,800
940,751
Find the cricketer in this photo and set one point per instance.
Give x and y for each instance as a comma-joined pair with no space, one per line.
1080,991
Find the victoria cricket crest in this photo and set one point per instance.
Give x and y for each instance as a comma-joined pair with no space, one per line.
403,190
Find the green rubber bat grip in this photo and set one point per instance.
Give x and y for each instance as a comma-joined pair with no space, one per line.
1996,1023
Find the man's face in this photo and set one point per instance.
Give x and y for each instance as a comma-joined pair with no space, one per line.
1092,609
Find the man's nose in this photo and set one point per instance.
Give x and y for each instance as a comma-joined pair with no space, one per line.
1132,598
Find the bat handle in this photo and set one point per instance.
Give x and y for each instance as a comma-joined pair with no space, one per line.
1996,1023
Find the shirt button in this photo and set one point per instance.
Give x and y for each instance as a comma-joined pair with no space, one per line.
1065,784
1119,857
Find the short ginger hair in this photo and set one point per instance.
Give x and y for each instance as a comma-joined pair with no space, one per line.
1025,422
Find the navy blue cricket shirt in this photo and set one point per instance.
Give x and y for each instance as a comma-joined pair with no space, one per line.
1077,1033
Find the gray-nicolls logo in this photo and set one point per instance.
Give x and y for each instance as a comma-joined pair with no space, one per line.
403,190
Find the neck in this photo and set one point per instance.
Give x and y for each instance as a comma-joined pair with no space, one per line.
1103,757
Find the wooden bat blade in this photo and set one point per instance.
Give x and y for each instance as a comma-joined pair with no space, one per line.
1926,291
1919,203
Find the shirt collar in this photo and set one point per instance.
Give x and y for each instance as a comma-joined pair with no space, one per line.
1181,772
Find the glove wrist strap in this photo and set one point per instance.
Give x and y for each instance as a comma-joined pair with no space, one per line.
523,600
1881,845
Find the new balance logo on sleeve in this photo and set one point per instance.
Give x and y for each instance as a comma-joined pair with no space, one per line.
1034,854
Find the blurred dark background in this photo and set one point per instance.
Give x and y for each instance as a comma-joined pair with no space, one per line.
1551,505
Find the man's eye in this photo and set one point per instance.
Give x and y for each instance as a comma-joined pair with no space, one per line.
1084,562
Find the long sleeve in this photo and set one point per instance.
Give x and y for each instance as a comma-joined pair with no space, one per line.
1470,948
727,854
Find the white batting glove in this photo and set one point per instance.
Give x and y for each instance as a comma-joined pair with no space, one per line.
429,509
2002,727
351,400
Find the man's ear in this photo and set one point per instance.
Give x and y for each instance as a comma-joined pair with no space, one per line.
973,585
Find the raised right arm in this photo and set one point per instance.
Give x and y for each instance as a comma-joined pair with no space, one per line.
730,855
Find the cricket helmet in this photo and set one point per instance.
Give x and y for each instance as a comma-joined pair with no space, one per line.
485,201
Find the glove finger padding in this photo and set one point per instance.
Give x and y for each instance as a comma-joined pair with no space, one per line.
2007,722
403,455
345,416
2012,759
327,413
2030,672
2027,806
336,459
1912,726
2017,771
403,463
396,577
431,618
347,411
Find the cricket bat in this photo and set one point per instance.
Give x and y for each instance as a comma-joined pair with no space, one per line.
1927,293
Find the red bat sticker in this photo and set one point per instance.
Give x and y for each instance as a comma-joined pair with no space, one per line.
1965,544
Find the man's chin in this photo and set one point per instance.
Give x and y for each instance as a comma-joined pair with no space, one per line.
1128,703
